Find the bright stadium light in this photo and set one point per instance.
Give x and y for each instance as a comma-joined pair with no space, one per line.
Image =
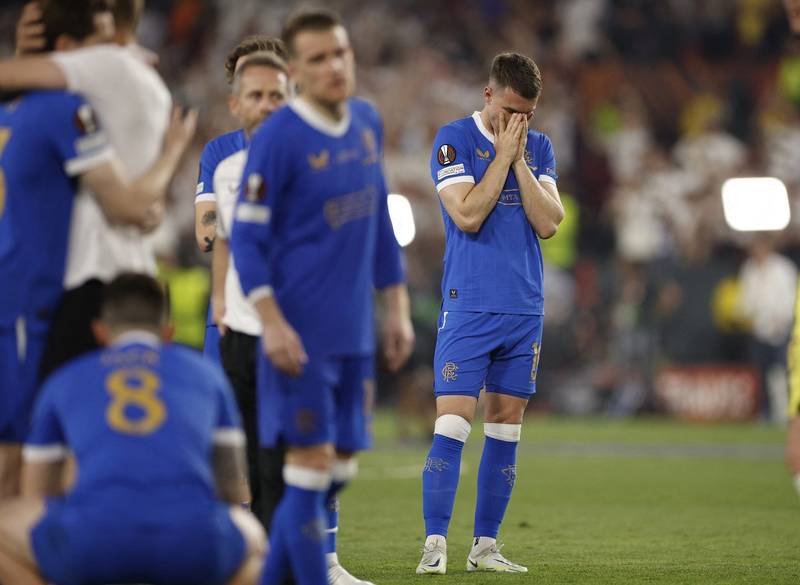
402,219
755,204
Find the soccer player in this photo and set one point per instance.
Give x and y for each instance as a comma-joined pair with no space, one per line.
133,104
497,187
260,86
156,435
205,208
311,236
51,142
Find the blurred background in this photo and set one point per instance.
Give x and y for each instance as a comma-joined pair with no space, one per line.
654,304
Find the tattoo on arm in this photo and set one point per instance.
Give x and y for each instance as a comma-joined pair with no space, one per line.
209,218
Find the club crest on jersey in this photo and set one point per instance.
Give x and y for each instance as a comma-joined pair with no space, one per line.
447,154
85,120
483,154
319,162
450,372
256,188
528,158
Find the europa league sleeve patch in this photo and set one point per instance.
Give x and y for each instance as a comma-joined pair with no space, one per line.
447,154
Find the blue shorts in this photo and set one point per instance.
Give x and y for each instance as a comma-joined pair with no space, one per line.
497,351
20,357
332,402
211,345
73,546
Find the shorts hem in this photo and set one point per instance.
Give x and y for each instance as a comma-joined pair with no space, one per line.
527,394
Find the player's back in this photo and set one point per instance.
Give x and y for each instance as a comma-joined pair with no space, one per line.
141,420
38,153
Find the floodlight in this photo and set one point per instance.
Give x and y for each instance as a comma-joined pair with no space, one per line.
755,204
402,219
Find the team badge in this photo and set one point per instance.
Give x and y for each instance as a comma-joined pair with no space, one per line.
447,154
450,372
319,161
528,158
85,120
435,464
256,188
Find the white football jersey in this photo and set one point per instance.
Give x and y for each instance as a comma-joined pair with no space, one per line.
239,313
133,106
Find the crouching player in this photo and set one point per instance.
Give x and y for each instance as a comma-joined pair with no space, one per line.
160,450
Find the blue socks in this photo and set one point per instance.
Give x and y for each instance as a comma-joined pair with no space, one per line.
496,477
440,474
298,529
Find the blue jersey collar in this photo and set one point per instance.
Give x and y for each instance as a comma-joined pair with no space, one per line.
317,121
476,116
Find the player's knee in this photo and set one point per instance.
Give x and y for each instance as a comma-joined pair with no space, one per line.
453,426
510,433
318,457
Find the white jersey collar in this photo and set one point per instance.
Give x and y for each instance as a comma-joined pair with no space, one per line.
319,122
139,336
481,128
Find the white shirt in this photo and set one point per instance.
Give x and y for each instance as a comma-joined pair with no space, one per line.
133,106
239,313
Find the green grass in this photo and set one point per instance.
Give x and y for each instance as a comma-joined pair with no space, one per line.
596,501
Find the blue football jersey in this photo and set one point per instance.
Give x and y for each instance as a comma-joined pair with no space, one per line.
46,140
499,268
141,419
214,152
217,150
312,224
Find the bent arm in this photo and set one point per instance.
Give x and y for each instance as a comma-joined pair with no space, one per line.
540,200
205,224
468,204
230,472
31,73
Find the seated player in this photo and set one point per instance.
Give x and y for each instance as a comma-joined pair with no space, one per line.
160,451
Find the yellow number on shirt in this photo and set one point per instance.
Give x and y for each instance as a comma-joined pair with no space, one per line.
135,390
5,134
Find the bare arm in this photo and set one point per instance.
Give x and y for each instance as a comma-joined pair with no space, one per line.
134,203
541,201
31,73
220,258
30,30
205,224
469,205
230,473
43,480
398,333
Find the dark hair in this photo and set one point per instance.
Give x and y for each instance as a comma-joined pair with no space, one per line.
127,13
134,300
73,18
259,59
518,72
316,19
249,45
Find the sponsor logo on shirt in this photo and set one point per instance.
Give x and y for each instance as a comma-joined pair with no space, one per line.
482,154
453,293
351,206
446,155
454,170
319,162
450,372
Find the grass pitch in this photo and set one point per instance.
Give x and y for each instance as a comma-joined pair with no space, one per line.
596,501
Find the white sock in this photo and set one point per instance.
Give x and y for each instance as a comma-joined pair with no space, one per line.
483,542
332,558
436,539
797,483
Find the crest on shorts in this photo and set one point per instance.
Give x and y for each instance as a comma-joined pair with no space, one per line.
446,155
450,372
